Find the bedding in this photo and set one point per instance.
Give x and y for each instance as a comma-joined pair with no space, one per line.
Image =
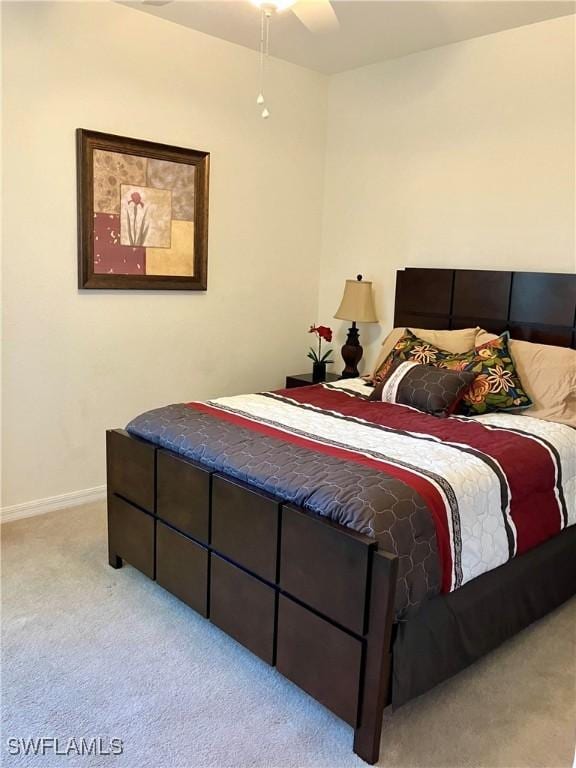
453,498
497,386
548,374
413,348
432,390
461,340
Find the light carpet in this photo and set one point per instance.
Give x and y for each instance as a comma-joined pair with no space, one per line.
92,652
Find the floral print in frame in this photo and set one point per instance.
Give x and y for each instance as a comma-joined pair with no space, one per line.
142,214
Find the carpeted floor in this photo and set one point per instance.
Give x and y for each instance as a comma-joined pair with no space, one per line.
93,652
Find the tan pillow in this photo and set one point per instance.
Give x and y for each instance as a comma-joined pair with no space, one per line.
452,341
548,375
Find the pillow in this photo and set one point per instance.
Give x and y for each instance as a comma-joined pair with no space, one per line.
452,341
497,386
410,347
548,374
436,391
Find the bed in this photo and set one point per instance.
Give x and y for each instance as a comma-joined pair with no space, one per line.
361,572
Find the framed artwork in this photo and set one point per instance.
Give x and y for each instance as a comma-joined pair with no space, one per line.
142,214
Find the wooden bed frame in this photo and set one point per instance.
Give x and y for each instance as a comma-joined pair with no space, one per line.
314,598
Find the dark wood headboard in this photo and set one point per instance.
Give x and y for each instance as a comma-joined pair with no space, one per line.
533,306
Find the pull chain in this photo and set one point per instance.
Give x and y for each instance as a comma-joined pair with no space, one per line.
260,99
264,53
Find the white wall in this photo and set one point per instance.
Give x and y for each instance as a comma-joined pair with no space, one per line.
461,156
78,362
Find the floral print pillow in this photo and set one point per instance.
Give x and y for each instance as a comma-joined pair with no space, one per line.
414,349
497,387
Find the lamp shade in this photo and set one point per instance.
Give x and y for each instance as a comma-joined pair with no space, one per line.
357,303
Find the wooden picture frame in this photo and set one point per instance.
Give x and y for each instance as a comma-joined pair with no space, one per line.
142,214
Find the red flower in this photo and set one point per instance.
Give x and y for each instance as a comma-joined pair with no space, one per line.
323,332
136,199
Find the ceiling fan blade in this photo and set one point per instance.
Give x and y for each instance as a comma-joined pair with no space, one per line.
156,2
317,15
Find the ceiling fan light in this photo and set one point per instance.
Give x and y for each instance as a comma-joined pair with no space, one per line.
260,99
265,113
276,5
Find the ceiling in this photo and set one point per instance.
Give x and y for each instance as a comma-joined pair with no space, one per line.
370,30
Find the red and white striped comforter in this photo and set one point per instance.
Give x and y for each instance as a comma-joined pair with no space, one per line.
497,485
453,498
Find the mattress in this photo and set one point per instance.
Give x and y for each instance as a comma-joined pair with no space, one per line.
452,498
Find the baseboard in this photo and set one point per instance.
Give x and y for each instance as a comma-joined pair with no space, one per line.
41,506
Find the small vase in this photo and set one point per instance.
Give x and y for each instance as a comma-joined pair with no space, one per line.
318,372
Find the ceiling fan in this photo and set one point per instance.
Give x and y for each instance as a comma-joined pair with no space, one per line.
316,15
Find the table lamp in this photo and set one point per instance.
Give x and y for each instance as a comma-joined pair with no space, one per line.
357,305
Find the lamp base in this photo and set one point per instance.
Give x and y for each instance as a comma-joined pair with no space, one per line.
351,354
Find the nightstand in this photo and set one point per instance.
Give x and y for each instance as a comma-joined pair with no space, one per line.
305,380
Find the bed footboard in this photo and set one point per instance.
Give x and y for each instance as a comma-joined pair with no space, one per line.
306,595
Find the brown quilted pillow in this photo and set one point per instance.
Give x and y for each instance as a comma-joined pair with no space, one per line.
436,391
